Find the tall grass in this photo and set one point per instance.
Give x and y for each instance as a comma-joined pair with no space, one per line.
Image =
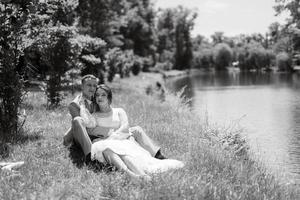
211,171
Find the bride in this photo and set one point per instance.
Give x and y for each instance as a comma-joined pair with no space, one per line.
119,147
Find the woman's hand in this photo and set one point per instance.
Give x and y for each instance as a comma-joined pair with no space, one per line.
119,135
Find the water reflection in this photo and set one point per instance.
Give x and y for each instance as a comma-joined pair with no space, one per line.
265,105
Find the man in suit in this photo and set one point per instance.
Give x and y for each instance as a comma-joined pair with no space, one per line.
80,134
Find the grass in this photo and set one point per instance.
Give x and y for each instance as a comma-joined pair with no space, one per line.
212,171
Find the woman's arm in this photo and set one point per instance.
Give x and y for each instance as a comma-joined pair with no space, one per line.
124,125
123,131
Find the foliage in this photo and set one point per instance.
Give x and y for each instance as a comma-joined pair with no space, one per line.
184,24
254,56
217,37
283,62
14,16
97,18
203,59
222,56
57,59
174,27
139,31
292,28
89,55
118,61
166,35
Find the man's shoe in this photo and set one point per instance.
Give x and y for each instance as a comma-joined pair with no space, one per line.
159,155
88,160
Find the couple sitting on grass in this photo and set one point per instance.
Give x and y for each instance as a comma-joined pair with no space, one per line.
104,135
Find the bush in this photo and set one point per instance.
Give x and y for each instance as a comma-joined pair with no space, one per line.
89,55
222,56
254,56
121,62
137,66
283,62
203,59
164,66
56,56
13,19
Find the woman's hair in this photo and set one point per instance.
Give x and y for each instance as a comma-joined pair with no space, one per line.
108,92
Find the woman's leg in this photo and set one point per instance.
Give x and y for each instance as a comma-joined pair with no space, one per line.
115,160
131,164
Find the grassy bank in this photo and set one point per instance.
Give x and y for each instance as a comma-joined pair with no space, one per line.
53,172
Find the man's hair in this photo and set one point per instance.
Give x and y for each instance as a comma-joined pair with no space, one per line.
88,76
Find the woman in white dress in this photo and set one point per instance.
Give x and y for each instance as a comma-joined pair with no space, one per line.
123,151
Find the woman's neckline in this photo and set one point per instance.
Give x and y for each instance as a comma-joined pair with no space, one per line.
105,114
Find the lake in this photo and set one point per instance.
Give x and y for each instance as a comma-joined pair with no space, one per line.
266,106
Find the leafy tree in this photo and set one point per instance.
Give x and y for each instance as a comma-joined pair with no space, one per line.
139,31
118,61
293,23
57,56
254,56
166,32
222,56
14,17
89,54
283,62
274,32
217,37
203,58
183,25
95,18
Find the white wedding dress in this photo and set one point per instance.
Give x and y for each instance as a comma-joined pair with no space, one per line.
128,147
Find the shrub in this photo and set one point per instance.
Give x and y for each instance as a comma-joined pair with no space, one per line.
254,56
118,61
137,66
283,62
203,59
13,19
56,56
89,53
222,56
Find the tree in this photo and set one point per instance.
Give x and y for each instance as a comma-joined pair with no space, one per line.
222,56
283,62
293,25
183,25
57,57
14,16
217,37
166,31
139,32
89,55
254,56
274,32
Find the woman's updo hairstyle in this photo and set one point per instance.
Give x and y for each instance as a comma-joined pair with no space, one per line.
108,92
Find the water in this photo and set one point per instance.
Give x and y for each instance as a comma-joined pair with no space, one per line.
265,105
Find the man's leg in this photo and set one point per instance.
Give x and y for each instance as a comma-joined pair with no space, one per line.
68,137
143,139
81,136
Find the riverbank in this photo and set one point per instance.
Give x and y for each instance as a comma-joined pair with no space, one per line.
211,171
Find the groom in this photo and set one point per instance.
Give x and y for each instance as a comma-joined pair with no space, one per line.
83,136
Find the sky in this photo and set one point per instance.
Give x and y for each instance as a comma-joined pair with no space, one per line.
232,17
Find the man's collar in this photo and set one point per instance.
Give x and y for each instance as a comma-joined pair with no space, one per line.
86,99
